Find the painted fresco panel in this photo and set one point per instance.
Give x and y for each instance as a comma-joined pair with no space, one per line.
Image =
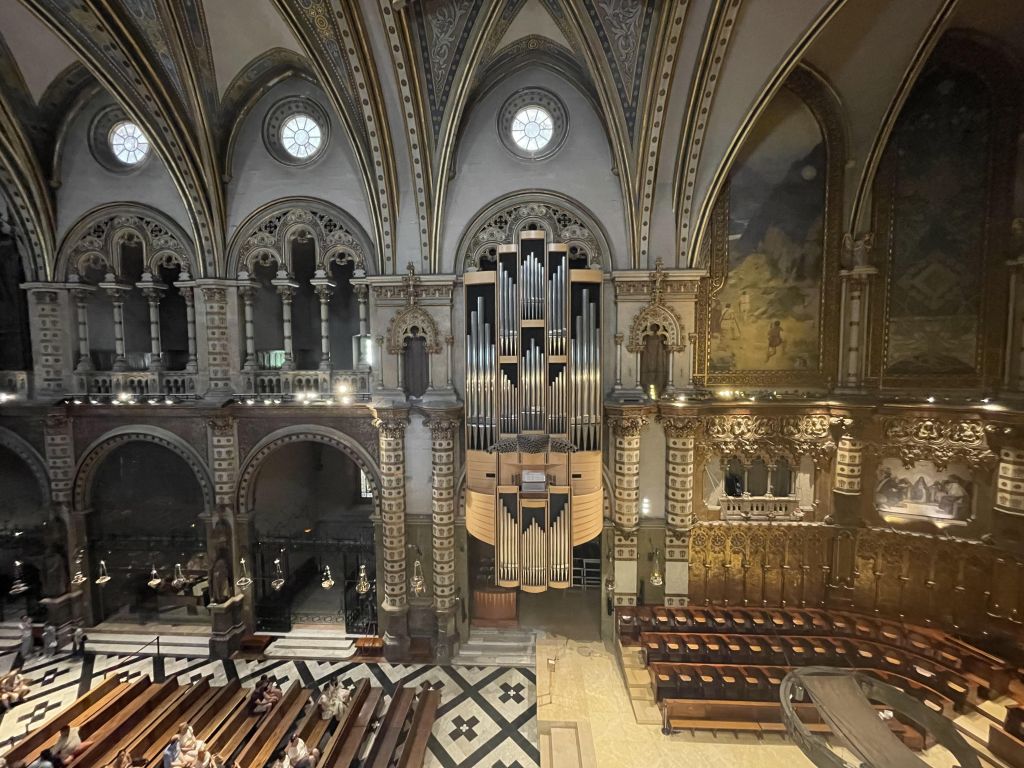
922,491
941,146
767,315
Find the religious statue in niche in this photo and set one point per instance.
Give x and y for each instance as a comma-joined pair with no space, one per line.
923,491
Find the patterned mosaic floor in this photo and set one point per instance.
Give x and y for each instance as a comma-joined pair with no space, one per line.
488,715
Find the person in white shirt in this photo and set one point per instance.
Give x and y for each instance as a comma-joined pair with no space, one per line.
67,743
188,742
203,759
280,760
299,756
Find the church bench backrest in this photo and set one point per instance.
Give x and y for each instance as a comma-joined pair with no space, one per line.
320,730
414,751
168,709
110,689
386,740
151,734
219,707
348,747
264,741
121,723
233,730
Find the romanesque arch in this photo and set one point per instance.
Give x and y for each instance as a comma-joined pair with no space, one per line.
24,451
93,456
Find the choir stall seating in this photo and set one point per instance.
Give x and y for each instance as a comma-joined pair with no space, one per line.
141,716
717,668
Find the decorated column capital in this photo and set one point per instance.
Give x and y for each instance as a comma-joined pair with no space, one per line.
679,426
627,425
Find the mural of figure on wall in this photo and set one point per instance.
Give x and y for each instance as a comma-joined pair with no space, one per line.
922,491
938,163
773,289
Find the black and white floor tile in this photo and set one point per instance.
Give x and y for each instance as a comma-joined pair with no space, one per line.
487,715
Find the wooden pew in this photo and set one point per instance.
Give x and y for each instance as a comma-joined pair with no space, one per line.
337,736
205,720
109,689
121,723
165,723
233,730
267,737
747,716
414,751
342,751
384,743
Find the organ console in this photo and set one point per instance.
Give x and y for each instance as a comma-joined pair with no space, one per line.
533,409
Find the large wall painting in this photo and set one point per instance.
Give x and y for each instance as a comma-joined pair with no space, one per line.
939,154
774,244
922,492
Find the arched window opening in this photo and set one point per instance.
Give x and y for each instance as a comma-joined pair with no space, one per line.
137,349
100,313
27,536
415,364
173,314
654,362
305,304
758,478
344,316
312,513
268,314
146,503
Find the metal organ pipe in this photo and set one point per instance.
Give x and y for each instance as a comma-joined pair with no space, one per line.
480,377
533,295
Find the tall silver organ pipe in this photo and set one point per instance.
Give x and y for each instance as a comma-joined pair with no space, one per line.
557,397
533,381
556,311
480,376
509,406
586,377
509,320
533,287
559,540
506,560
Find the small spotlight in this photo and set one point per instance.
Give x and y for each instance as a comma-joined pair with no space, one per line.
124,397
277,401
153,401
346,400
93,401
168,401
77,401
266,401
930,399
250,401
344,388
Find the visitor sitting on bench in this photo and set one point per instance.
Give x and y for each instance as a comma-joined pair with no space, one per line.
188,743
122,760
259,701
299,756
47,760
13,690
69,744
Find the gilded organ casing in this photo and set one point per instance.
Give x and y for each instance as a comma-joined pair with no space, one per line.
533,409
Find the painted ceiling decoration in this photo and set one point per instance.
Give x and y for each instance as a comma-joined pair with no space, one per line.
624,29
676,86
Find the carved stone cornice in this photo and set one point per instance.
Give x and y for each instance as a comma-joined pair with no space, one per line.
940,441
679,426
750,437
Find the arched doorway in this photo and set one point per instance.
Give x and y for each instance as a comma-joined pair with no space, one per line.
311,507
28,537
144,522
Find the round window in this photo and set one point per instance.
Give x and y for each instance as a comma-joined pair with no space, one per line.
128,143
301,136
533,123
532,128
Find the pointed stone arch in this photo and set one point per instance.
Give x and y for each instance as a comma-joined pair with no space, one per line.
401,325
660,320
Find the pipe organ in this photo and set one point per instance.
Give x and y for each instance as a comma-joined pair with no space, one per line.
533,409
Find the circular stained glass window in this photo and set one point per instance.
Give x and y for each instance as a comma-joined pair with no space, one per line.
532,128
301,136
128,143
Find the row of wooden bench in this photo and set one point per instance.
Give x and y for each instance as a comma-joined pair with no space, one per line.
142,716
802,651
993,672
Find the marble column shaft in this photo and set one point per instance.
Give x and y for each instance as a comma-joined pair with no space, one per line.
626,428
680,464
391,430
442,436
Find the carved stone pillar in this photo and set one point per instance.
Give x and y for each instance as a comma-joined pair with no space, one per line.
1008,522
286,290
449,343
380,361
626,425
190,320
618,360
324,290
680,464
847,481
80,294
153,292
116,291
443,427
248,294
50,314
1013,377
390,424
855,308
219,344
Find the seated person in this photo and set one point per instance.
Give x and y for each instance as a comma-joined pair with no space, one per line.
328,699
172,756
274,692
69,744
280,760
299,756
187,741
203,759
13,689
47,760
259,701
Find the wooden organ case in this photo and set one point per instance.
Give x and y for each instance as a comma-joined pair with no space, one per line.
533,410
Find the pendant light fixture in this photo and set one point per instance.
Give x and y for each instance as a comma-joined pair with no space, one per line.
363,583
244,580
417,583
179,577
328,582
656,578
104,577
155,579
278,581
79,578
19,587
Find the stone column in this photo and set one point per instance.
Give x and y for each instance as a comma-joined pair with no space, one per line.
443,428
50,315
324,290
1013,377
680,465
618,360
152,293
390,424
449,342
116,292
855,308
626,425
248,293
359,360
190,319
380,361
847,482
80,294
216,361
286,290
58,441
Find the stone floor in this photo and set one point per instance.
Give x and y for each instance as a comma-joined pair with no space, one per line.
487,715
